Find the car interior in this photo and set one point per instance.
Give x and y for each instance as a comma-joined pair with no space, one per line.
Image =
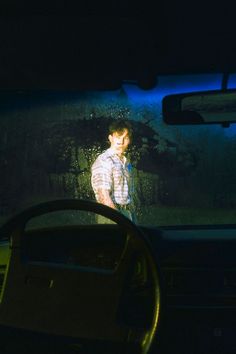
71,281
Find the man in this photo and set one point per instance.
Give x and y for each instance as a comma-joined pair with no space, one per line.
111,170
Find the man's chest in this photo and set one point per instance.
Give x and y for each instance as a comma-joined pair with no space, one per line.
120,169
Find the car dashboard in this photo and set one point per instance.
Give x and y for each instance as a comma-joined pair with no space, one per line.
198,275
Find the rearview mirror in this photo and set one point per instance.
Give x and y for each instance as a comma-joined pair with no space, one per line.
208,107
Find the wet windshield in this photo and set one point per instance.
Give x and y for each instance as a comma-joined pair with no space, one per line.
181,175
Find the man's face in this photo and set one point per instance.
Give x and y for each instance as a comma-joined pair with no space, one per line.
119,141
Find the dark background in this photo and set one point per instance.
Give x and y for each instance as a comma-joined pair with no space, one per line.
70,44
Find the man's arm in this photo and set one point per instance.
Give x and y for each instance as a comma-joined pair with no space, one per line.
103,196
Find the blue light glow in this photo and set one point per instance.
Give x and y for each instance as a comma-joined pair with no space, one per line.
173,84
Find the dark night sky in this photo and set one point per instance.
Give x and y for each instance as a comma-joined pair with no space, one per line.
60,44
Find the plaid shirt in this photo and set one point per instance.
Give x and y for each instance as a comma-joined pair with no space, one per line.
110,173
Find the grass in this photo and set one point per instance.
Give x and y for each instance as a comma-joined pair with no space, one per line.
162,216
148,215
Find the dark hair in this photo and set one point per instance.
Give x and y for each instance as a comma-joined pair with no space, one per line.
119,125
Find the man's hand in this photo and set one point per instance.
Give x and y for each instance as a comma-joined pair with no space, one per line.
103,197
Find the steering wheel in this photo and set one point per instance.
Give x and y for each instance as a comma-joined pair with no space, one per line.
118,280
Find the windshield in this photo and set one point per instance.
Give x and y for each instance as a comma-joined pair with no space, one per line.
181,175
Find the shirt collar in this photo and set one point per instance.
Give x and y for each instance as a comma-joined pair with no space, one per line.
114,154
